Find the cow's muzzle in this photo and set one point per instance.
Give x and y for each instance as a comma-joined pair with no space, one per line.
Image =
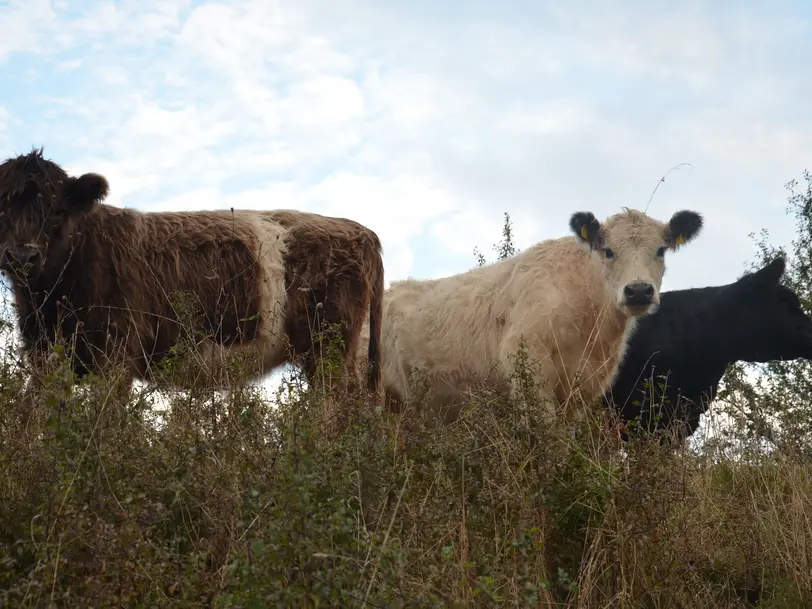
638,294
23,258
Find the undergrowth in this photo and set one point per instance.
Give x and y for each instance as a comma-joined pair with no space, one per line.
238,500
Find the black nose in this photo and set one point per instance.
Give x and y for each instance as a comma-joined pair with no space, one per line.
23,255
26,255
638,293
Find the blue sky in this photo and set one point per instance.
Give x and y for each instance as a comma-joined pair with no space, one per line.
426,121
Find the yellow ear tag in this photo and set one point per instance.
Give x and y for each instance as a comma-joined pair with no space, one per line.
585,233
679,240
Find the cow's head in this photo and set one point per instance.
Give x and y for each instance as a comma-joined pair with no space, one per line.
770,323
632,248
37,199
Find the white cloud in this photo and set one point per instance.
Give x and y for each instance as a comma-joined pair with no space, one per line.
68,66
134,22
461,231
561,117
684,45
24,21
399,120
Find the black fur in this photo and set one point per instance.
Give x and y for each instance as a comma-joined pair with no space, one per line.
84,192
684,225
693,337
586,220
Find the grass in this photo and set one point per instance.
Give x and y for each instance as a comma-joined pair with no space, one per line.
237,501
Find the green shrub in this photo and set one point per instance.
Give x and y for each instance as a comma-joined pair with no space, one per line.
240,501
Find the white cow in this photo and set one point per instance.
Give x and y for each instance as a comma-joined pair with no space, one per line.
571,301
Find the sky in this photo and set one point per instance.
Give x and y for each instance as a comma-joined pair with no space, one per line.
427,121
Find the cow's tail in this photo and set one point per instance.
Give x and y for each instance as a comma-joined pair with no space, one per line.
375,322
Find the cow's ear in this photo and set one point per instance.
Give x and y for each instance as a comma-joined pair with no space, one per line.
772,272
84,192
682,228
586,228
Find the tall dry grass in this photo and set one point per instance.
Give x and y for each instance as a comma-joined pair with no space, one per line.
239,501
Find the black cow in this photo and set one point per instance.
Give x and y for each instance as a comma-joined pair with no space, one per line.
695,335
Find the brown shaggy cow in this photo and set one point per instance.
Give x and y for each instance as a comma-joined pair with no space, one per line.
105,276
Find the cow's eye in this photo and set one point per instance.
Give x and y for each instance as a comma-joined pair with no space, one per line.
608,253
661,252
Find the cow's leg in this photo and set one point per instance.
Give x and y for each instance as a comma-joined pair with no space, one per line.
40,365
383,399
350,371
35,402
116,368
347,377
119,385
316,373
32,397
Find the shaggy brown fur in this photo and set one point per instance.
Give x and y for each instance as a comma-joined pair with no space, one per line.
324,260
106,276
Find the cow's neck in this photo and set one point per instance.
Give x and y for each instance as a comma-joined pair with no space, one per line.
723,343
627,325
613,332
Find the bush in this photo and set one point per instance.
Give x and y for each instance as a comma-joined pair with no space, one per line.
242,501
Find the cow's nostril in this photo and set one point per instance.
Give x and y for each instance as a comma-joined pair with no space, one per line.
649,291
628,291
